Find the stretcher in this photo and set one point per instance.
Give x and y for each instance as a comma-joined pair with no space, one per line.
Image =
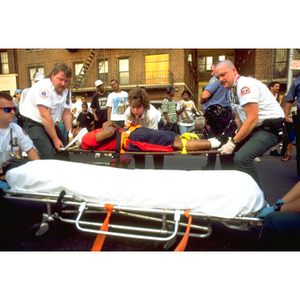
168,198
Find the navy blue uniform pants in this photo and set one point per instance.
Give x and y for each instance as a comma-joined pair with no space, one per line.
42,141
283,229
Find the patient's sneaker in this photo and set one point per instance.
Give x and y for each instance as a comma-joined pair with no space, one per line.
265,211
215,143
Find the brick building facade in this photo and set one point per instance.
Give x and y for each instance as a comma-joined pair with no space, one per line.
153,68
128,66
266,65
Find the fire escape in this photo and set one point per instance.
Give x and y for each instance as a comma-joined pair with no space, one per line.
85,67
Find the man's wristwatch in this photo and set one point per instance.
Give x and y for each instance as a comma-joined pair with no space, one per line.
234,142
277,206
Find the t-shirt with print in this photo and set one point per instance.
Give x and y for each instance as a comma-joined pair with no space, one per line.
118,102
99,103
186,118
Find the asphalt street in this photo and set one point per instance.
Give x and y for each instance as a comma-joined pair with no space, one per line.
276,177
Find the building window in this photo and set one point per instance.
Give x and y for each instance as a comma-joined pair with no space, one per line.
4,63
32,72
222,57
77,69
103,71
124,71
205,62
157,69
281,63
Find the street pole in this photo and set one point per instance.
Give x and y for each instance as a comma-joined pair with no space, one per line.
289,71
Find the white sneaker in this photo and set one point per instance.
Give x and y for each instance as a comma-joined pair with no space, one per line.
215,143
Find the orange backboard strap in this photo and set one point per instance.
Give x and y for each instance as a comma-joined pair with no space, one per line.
181,246
101,237
125,134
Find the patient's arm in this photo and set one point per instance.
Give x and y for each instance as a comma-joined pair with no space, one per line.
106,124
105,134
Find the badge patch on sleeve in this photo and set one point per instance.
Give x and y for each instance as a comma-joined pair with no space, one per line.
245,90
44,93
212,80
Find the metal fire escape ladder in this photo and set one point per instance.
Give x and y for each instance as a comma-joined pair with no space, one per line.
84,68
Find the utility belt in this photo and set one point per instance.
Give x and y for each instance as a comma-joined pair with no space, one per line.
56,124
276,126
215,112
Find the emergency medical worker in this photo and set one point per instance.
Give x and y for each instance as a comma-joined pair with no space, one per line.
294,93
215,101
259,116
47,103
37,77
13,139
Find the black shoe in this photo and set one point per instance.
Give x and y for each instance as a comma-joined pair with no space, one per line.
274,153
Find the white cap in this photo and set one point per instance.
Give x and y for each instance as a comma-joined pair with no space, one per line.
98,82
39,76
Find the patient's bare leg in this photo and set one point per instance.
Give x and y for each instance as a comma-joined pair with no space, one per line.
191,145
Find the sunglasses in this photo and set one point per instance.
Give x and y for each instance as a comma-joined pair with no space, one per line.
8,109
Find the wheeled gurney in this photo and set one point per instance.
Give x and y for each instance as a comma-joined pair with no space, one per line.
164,197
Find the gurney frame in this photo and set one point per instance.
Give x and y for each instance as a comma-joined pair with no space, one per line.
167,233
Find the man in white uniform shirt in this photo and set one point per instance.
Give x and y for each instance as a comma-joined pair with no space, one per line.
259,116
37,77
13,139
47,103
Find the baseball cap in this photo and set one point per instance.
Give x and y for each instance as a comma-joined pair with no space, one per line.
170,89
17,92
98,82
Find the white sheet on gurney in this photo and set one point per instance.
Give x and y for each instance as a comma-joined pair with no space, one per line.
224,194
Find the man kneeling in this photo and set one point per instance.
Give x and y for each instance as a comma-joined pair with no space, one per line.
139,138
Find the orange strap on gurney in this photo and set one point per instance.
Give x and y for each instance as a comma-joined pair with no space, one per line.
181,246
126,133
101,237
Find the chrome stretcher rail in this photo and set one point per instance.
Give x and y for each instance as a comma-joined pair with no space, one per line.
135,212
142,152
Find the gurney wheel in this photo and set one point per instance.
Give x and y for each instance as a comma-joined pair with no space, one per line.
38,231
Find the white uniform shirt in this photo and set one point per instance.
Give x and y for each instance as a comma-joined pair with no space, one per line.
23,141
150,118
118,102
44,93
23,96
251,90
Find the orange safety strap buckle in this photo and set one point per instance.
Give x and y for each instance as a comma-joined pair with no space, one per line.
181,246
125,134
98,243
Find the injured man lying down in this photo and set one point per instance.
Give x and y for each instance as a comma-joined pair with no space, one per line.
138,138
